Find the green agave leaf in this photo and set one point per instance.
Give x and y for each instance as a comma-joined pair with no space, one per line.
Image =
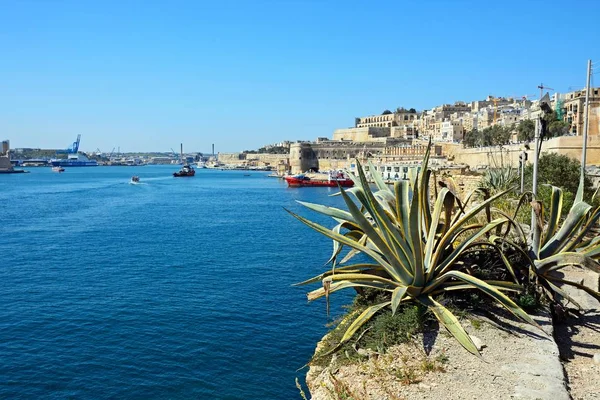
354,268
500,285
377,178
451,323
564,259
354,252
329,211
450,235
337,247
435,221
402,204
318,293
511,223
574,220
589,225
349,242
562,293
397,296
586,289
414,236
492,243
362,277
362,319
556,202
592,250
494,293
400,255
445,265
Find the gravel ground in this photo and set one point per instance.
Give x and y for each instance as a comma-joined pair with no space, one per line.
579,340
521,364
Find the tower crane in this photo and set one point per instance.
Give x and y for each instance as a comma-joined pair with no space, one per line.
542,87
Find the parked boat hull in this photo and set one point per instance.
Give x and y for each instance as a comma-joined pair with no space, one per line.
294,181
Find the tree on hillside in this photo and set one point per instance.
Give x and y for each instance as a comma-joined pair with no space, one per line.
412,110
386,112
559,170
526,130
558,128
471,138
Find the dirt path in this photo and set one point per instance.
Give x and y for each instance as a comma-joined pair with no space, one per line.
519,361
579,340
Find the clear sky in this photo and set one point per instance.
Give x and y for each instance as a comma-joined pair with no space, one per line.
147,75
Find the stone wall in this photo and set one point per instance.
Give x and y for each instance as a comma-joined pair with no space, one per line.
253,159
509,154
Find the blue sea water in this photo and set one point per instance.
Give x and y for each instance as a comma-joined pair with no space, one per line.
175,288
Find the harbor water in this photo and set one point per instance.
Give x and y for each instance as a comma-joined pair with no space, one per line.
174,288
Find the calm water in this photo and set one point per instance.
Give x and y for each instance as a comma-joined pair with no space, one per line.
174,288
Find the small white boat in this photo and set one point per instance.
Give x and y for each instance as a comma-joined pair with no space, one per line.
134,180
58,169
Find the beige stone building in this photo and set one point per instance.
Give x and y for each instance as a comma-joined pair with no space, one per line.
574,107
451,131
397,118
362,134
490,101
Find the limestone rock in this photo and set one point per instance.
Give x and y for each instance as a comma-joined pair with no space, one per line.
478,343
597,358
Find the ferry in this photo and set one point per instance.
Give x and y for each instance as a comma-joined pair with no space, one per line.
74,160
330,179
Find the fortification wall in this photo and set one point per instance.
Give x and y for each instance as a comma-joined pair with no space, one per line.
260,158
509,154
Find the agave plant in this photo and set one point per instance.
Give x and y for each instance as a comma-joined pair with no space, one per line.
414,251
555,246
500,178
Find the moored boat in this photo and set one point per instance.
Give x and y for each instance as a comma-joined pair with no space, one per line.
58,169
330,179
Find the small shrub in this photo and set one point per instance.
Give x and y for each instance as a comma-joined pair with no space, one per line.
528,302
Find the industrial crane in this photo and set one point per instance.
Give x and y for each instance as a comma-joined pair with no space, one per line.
542,87
73,149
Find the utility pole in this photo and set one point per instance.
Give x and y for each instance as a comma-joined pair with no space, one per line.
535,232
585,118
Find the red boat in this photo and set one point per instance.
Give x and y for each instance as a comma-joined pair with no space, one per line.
327,180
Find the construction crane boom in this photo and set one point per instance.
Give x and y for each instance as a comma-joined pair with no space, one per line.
542,87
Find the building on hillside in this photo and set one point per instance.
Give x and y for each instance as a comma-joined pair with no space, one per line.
445,110
509,116
398,118
574,108
451,131
490,101
363,134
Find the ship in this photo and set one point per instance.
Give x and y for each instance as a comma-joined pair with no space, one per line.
74,160
329,179
186,169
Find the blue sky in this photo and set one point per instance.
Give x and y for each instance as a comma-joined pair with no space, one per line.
147,75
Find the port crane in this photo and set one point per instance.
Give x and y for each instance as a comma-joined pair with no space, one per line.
73,149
